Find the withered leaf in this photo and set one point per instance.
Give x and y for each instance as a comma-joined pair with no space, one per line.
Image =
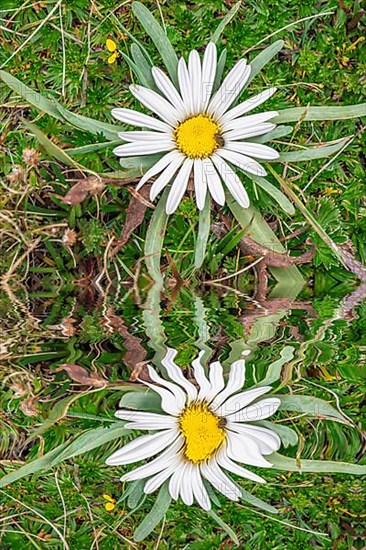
136,353
82,376
135,215
82,188
28,406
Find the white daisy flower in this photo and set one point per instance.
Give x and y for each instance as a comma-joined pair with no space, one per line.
205,429
197,131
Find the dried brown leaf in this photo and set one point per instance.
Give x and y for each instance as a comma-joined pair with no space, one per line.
82,376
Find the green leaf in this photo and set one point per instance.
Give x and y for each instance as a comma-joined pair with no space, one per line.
143,65
320,113
259,503
144,79
155,515
141,401
34,98
155,238
51,148
281,462
262,59
136,496
311,405
313,153
219,70
158,36
250,219
85,442
288,436
141,164
203,234
92,148
224,22
279,131
274,369
96,127
274,192
224,526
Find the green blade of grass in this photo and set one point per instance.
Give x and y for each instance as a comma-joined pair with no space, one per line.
320,113
224,22
160,39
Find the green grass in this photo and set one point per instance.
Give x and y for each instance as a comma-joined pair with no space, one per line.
47,320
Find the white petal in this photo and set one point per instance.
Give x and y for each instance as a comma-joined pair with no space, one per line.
249,132
248,105
200,376
232,181
159,167
256,150
216,380
145,136
135,118
143,447
195,77
209,65
143,148
166,86
229,89
213,473
179,186
267,440
246,164
175,374
175,481
234,468
258,411
185,486
200,184
146,420
213,182
179,395
161,462
167,175
245,121
241,400
245,449
156,103
185,86
235,383
156,481
199,490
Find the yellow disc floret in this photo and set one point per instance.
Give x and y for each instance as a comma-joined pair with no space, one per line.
202,431
198,136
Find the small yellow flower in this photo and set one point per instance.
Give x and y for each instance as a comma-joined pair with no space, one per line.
112,47
110,504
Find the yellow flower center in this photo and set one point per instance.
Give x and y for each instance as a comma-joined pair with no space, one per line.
202,431
198,136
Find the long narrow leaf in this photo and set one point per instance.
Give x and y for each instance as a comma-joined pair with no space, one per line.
92,148
314,153
262,59
320,113
311,405
219,70
155,515
224,526
110,131
274,192
143,65
288,436
34,98
160,39
281,462
279,131
154,239
274,369
224,22
259,503
203,234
